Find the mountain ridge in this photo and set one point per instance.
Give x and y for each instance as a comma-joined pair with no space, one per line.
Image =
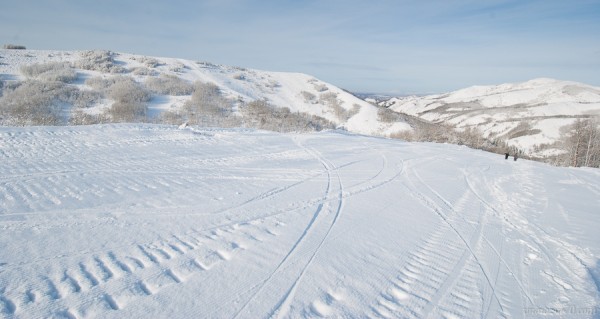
533,117
529,115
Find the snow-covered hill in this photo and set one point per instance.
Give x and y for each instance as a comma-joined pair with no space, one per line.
525,114
149,221
298,92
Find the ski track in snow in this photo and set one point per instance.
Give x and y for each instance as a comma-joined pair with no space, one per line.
283,306
147,220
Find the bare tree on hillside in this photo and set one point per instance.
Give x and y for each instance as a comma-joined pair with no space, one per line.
260,114
582,143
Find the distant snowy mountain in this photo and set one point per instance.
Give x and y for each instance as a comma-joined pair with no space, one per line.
297,92
525,114
374,97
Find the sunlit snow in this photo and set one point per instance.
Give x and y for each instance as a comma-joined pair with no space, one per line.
148,221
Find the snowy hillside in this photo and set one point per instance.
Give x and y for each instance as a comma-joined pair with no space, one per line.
297,92
150,221
525,114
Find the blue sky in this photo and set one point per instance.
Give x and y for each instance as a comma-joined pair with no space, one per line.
381,46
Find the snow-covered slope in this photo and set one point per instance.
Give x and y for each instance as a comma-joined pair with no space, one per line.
240,84
526,114
148,221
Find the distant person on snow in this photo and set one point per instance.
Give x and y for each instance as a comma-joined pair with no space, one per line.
516,157
505,156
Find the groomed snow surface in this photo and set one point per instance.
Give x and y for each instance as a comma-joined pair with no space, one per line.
148,221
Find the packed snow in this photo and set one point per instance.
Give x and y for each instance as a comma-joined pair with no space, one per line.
148,221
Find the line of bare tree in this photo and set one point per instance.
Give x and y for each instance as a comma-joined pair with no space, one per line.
582,143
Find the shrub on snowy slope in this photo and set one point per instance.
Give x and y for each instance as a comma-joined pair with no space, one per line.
36,103
120,88
52,71
169,85
309,97
260,114
100,83
127,90
388,116
330,99
142,70
207,106
130,98
102,61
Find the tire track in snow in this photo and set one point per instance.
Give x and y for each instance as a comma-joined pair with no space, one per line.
446,279
341,195
179,252
552,270
357,189
468,244
515,227
300,206
282,308
65,170
111,264
431,275
99,274
589,185
576,268
486,240
261,286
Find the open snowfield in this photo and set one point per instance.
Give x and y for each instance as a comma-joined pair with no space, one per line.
148,221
